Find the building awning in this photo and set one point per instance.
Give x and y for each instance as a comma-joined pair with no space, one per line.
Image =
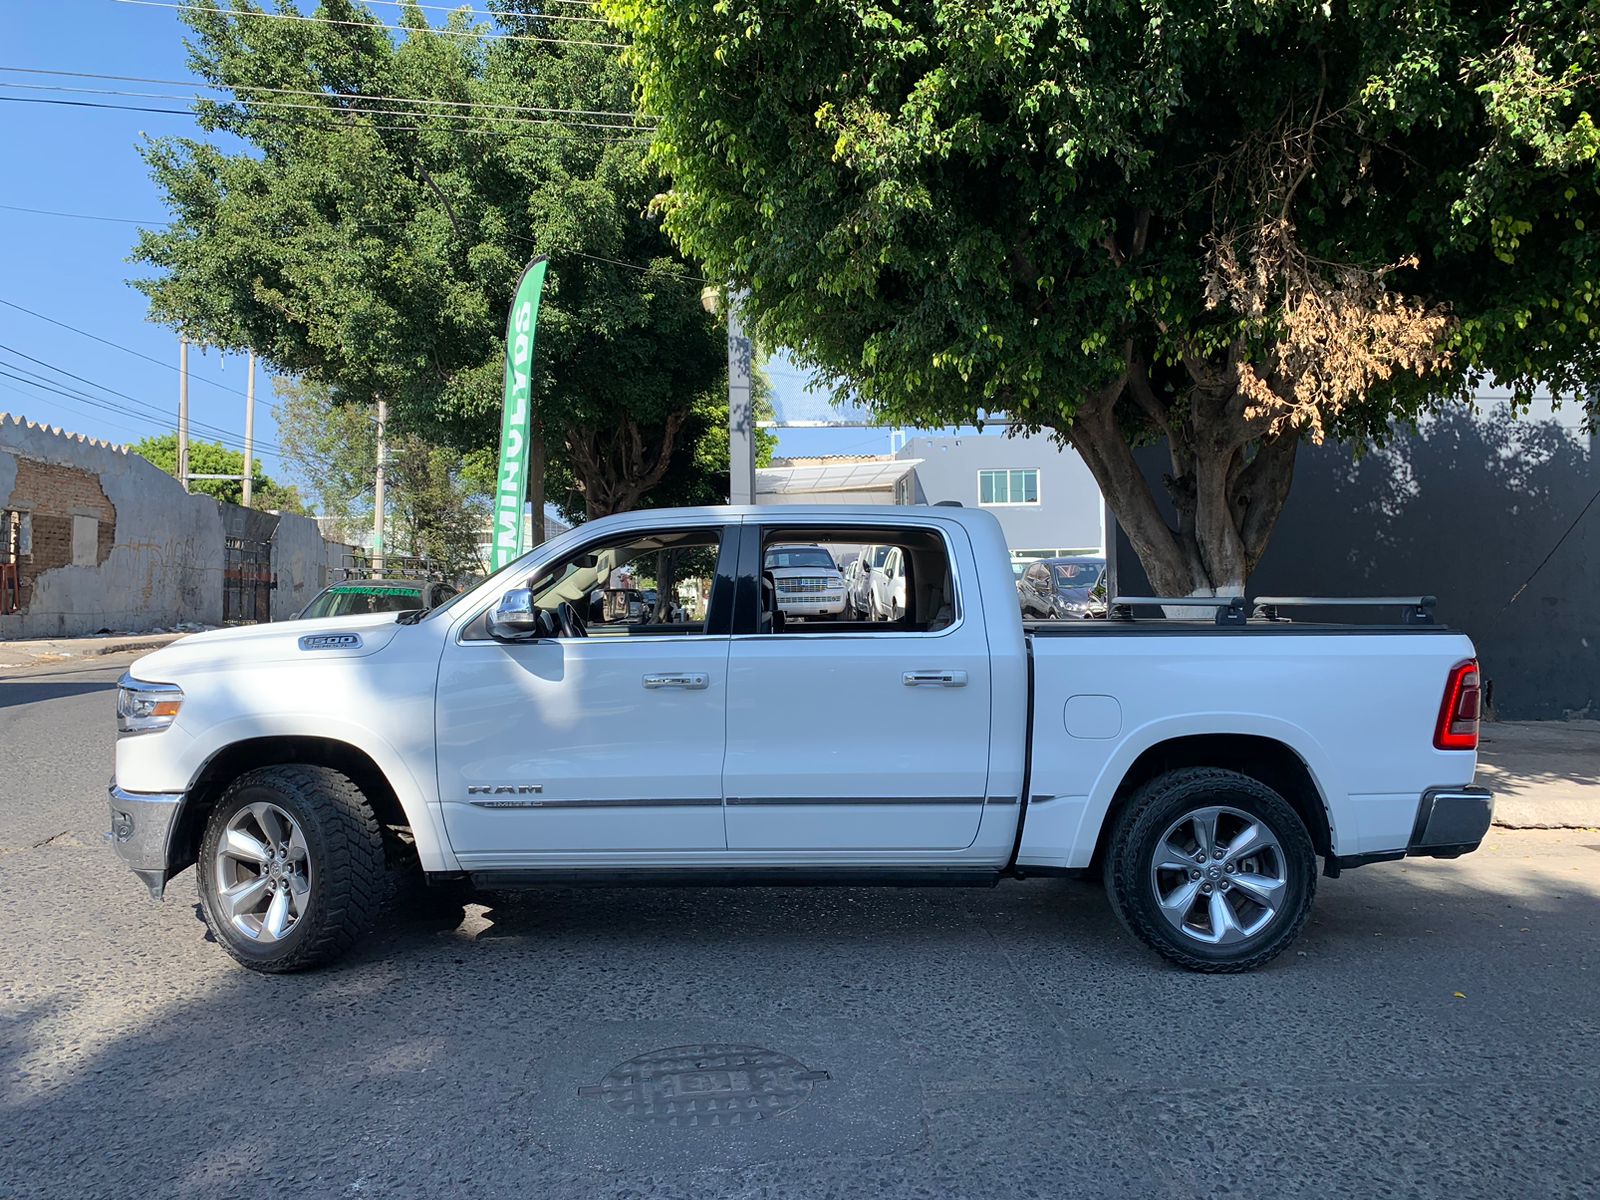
834,477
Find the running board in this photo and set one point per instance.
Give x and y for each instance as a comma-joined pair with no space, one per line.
531,877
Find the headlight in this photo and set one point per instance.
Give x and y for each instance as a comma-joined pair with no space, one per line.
146,707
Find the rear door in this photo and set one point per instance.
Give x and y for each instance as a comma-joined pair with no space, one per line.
849,737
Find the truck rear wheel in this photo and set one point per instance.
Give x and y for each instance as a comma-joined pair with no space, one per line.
291,867
1212,869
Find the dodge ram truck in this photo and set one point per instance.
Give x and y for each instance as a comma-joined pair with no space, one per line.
1204,766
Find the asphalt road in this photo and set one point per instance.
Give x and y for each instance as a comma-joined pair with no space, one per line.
1434,1034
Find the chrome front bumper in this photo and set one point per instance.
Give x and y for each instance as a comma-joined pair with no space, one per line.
141,832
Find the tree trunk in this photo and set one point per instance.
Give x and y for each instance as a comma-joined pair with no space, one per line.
615,468
1227,485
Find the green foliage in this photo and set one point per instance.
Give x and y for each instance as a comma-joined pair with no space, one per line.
437,500
332,449
918,194
1055,208
376,252
213,458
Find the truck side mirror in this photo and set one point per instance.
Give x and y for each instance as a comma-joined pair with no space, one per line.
514,619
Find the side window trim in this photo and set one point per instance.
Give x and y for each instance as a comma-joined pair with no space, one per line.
719,611
753,533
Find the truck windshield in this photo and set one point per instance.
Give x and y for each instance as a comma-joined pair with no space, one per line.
780,557
363,598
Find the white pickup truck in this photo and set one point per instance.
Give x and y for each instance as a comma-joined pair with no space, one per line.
526,733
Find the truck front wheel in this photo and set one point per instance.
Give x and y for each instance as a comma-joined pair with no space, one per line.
1212,869
291,867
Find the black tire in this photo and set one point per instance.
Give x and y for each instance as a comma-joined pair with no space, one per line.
1139,829
349,878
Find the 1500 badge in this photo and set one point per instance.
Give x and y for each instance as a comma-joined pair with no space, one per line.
331,641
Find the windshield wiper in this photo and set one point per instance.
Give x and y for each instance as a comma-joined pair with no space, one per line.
411,616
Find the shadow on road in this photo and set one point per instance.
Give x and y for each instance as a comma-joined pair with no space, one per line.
1041,1040
30,691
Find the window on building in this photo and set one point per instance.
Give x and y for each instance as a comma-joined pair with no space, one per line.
1008,487
902,490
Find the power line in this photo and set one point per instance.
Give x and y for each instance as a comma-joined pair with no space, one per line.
118,346
281,16
184,112
496,16
16,391
162,420
326,108
155,409
329,95
50,212
80,398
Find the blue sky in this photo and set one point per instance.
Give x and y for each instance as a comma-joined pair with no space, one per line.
85,161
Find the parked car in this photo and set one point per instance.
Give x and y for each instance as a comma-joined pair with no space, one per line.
1200,768
1062,589
366,596
807,581
871,559
886,599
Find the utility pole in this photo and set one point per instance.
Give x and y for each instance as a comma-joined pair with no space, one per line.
741,409
249,427
183,411
377,491
536,480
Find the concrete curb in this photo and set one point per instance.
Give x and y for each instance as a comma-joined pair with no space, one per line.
35,651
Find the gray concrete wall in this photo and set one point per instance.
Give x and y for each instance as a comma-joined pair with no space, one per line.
1466,510
1068,515
164,558
165,561
300,564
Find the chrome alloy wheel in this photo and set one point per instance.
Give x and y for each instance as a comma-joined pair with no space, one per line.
1219,875
263,872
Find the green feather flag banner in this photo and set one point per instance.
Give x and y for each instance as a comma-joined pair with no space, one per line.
516,419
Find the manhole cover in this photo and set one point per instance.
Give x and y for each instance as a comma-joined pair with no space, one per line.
713,1084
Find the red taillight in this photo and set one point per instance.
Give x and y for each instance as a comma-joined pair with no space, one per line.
1458,715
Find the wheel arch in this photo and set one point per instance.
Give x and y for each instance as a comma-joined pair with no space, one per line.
1266,759
236,758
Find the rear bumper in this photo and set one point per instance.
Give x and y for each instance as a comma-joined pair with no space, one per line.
1451,821
141,832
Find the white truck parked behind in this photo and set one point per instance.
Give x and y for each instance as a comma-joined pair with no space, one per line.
515,736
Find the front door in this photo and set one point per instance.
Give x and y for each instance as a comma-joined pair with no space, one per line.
852,737
594,749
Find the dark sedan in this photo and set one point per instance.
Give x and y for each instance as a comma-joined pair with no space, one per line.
1063,589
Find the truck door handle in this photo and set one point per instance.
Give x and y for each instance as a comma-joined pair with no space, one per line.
691,681
935,678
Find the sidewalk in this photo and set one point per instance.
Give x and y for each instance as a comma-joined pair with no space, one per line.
36,652
1544,774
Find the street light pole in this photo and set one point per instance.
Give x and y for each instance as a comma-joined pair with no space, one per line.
183,411
377,491
249,427
741,408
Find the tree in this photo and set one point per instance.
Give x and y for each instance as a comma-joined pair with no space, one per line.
1223,226
332,449
437,500
213,458
440,507
371,244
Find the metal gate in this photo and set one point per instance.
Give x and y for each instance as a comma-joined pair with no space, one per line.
247,581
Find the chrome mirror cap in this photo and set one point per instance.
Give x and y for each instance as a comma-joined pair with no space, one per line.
514,619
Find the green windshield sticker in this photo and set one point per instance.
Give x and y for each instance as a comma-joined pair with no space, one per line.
370,589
